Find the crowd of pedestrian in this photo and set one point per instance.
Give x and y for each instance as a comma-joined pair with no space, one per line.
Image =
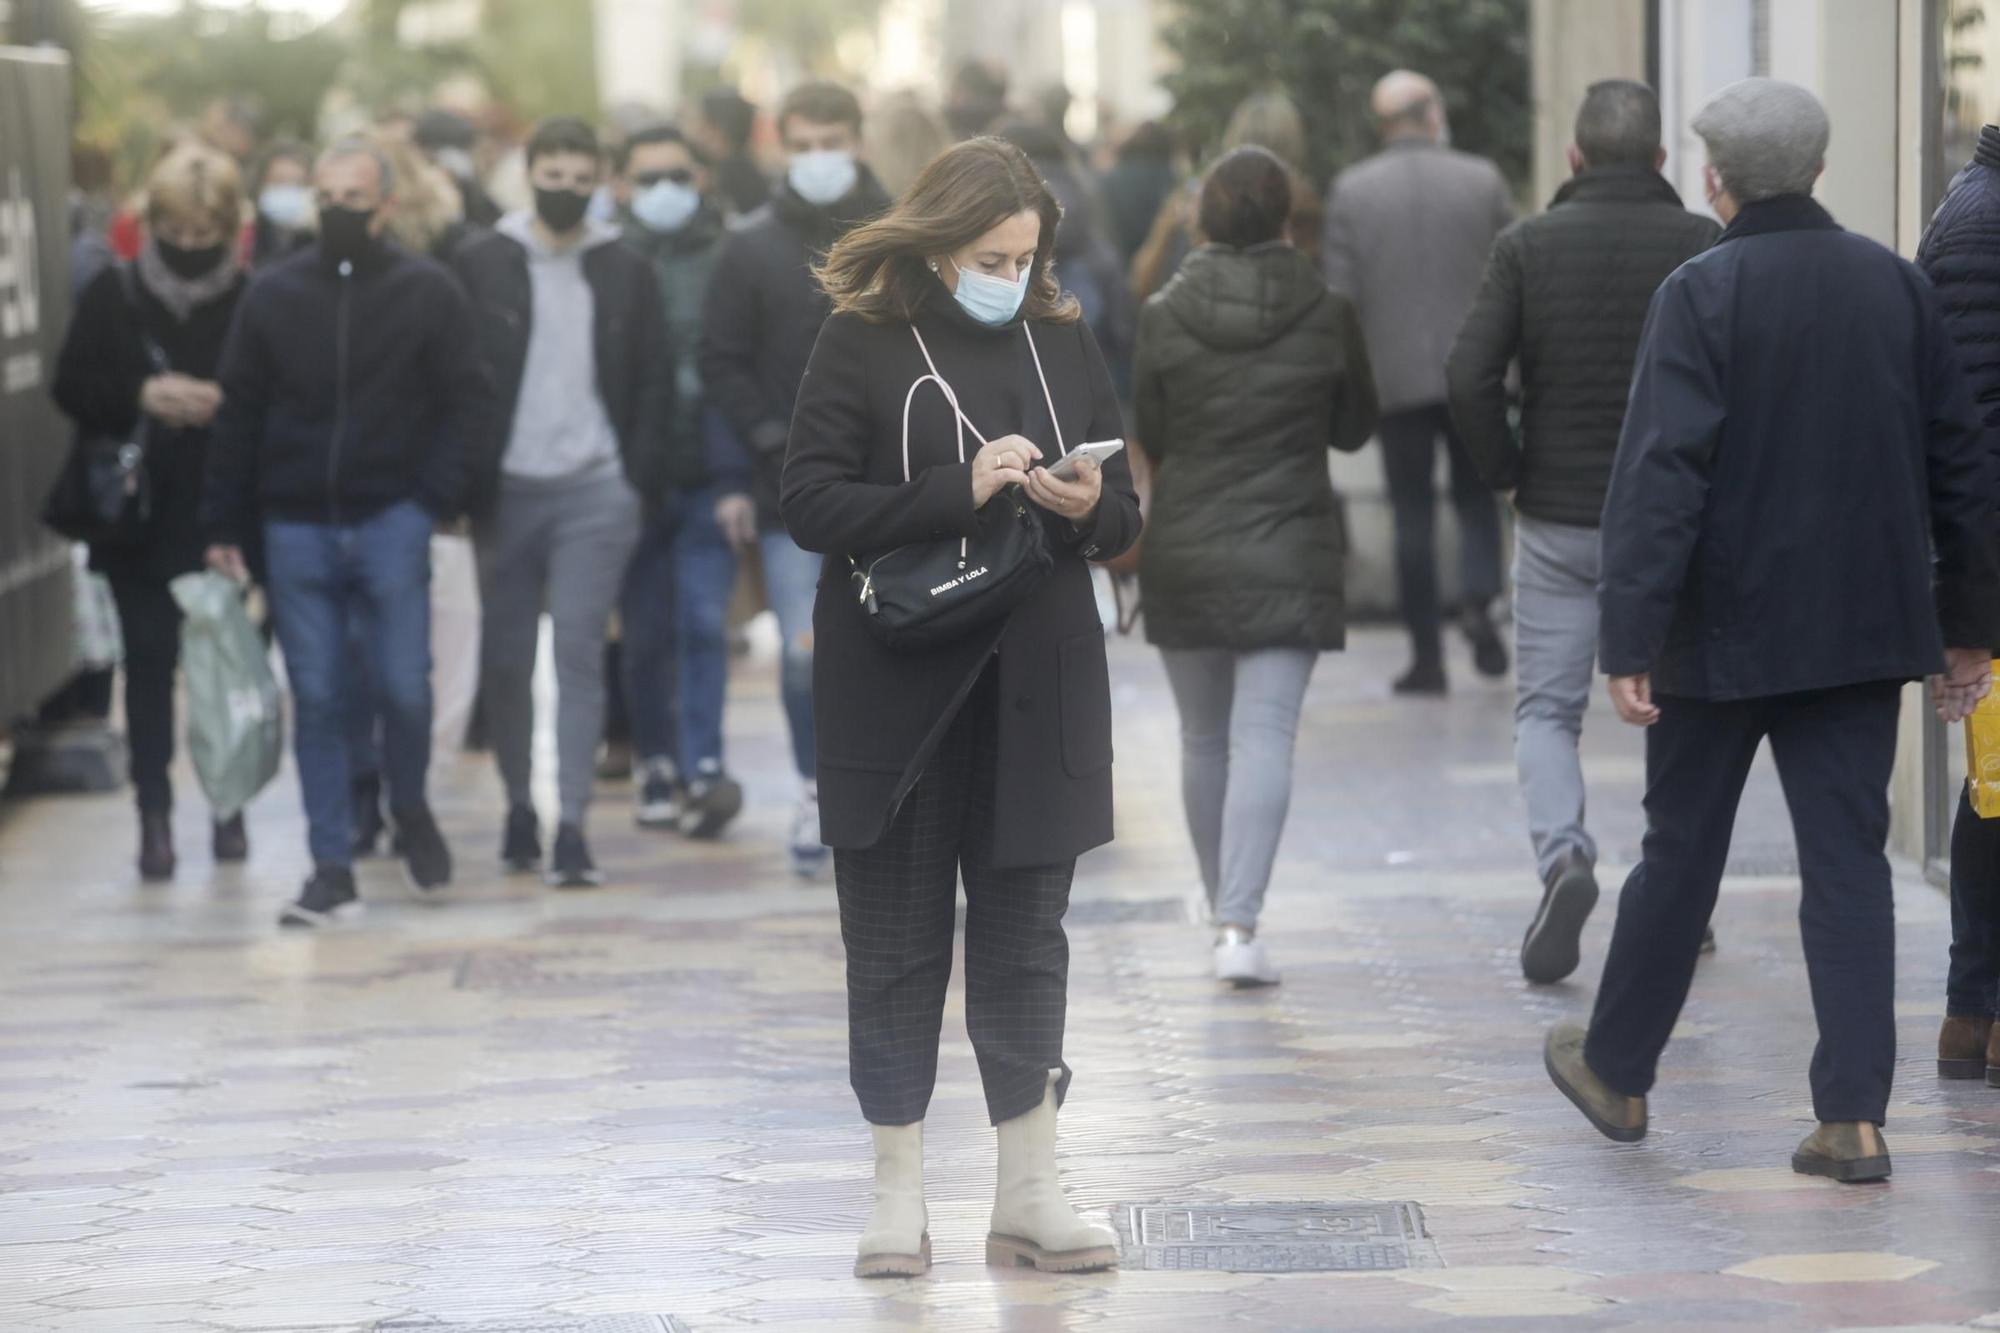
1750,474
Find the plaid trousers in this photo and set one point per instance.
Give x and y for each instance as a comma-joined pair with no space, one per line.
897,904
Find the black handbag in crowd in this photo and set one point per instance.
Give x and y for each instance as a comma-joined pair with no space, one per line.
103,495
925,594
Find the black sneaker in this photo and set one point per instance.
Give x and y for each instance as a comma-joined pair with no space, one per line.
1551,950
712,800
1489,654
571,866
659,800
327,897
365,801
426,859
1423,679
521,847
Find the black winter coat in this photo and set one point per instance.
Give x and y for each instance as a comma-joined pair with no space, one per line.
762,318
344,394
1800,441
880,714
1566,292
98,374
1248,370
629,346
1961,256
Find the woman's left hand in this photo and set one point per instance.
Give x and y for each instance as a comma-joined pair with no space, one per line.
1074,500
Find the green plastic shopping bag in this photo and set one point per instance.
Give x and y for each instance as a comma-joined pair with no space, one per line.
235,716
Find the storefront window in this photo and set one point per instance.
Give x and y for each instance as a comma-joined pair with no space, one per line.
1968,74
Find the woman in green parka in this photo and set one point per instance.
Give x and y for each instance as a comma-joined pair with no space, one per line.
1248,370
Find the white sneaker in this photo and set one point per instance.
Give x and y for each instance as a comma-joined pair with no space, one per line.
657,800
808,852
1241,960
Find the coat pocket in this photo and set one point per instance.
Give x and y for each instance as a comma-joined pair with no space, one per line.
1084,682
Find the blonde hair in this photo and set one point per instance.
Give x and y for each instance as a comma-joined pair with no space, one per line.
196,184
427,200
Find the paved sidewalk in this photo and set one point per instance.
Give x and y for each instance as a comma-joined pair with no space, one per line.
528,1110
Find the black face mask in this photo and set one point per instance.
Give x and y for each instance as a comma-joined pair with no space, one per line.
343,233
183,262
560,210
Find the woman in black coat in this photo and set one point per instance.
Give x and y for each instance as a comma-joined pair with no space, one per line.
144,344
1248,370
990,755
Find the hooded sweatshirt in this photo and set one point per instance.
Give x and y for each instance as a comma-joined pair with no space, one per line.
561,431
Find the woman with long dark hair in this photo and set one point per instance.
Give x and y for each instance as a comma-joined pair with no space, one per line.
988,756
144,347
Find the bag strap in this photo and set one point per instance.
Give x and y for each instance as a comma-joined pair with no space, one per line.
962,422
128,286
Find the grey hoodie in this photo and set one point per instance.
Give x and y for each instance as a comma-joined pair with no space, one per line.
561,431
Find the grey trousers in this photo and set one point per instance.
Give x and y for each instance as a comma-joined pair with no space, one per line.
1239,722
562,546
1555,653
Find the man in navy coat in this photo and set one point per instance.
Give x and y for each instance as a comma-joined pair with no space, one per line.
1798,525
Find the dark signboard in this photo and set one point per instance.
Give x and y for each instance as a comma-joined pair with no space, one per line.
37,641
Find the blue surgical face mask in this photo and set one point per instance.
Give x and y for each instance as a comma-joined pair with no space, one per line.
666,206
990,300
603,206
287,206
823,177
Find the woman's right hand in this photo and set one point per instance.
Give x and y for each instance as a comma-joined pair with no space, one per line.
1002,463
180,400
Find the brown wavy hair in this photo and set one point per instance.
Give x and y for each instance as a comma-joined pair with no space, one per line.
881,270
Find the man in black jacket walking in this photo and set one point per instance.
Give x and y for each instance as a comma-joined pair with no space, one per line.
762,318
1565,294
1799,443
1961,255
576,343
351,394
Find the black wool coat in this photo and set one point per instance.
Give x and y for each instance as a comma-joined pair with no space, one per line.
1566,294
880,714
98,375
1249,370
1800,444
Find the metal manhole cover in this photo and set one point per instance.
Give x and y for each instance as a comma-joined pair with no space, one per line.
1276,1237
1126,912
603,1323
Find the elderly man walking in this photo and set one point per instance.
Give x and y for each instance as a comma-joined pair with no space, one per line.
1565,295
1799,442
1407,235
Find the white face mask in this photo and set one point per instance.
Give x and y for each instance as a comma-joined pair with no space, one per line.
287,206
823,177
666,206
990,300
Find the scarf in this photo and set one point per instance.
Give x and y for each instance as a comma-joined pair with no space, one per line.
181,295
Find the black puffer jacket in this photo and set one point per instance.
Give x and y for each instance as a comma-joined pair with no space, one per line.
1248,370
1961,256
1566,292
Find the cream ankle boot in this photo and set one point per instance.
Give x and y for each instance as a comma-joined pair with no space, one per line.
1033,1225
897,1242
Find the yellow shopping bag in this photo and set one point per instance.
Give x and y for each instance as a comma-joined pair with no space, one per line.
1982,753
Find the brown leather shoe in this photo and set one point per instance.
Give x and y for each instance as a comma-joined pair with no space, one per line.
1962,1046
1616,1116
156,848
230,842
1849,1151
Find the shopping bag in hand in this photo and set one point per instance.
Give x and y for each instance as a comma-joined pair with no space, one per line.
1982,753
236,729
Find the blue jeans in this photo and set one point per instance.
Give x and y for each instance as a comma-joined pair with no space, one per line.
791,584
675,609
322,577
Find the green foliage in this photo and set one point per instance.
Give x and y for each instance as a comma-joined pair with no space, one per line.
539,58
807,32
1327,54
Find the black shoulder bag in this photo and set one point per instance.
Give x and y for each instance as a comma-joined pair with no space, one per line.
103,495
927,594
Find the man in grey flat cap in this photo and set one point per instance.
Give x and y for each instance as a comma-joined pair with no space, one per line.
1799,442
